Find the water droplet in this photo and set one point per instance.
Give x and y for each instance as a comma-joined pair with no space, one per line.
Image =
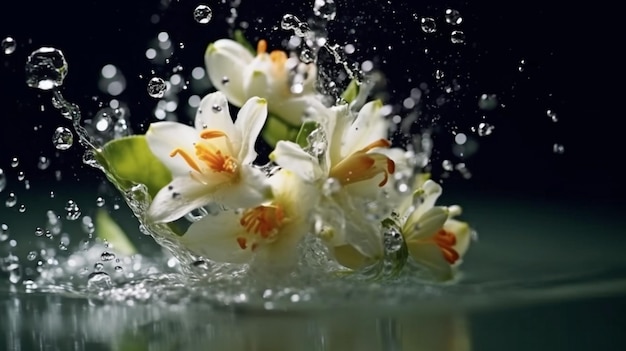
98,266
457,37
225,80
558,148
331,186
4,232
15,162
447,165
307,56
31,255
38,231
100,201
11,200
157,87
3,180
8,45
216,108
43,163
107,256
453,17
325,9
98,281
317,142
428,25
460,138
202,14
21,175
550,113
488,102
63,138
439,74
392,239
22,208
485,129
522,65
289,21
73,211
119,269
46,68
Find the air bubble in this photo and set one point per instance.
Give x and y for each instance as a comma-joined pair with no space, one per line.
428,25
203,14
46,68
157,87
63,138
8,45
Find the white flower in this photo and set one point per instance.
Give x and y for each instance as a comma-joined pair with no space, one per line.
286,83
269,232
435,240
211,162
347,151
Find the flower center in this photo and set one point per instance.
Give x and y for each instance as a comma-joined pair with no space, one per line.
362,165
210,154
446,240
261,223
278,57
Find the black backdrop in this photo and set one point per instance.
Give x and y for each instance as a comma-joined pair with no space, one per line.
568,51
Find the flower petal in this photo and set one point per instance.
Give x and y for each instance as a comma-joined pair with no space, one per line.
429,256
226,58
349,257
251,189
213,114
462,233
426,225
294,109
368,127
164,137
291,156
429,193
250,121
215,237
180,196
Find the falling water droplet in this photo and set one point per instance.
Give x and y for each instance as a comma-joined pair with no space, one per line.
307,56
157,87
107,256
325,9
3,180
289,21
4,232
100,201
43,163
15,162
8,45
558,148
453,17
46,68
552,115
72,210
485,129
202,14
428,25
63,138
392,239
488,102
38,231
447,165
457,37
11,200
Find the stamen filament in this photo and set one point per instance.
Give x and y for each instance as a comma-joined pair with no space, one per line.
190,161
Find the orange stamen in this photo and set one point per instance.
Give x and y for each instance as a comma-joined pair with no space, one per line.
242,243
263,220
361,166
211,134
215,159
190,161
446,240
261,47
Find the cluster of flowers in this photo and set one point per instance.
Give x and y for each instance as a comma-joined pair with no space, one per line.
340,184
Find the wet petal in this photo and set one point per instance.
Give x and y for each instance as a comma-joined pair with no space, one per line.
250,121
295,108
164,137
213,114
291,156
368,127
430,192
251,190
430,257
215,237
180,196
462,233
226,58
424,226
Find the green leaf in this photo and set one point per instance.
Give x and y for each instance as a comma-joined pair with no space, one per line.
241,39
128,161
107,229
276,129
351,92
304,132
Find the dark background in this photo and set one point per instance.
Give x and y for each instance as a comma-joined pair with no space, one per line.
569,53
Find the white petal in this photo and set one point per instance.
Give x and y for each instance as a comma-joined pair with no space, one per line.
226,58
368,127
294,109
425,225
290,155
215,237
430,257
430,193
462,233
251,190
176,199
213,114
164,137
349,257
250,121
